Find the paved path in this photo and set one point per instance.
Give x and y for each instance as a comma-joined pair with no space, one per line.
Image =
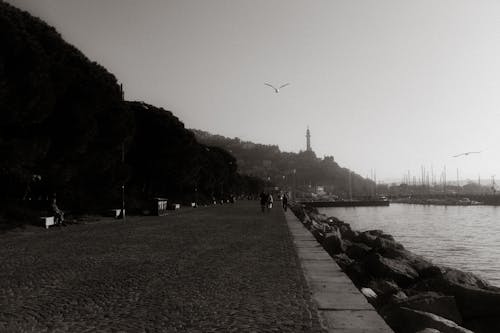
218,269
342,308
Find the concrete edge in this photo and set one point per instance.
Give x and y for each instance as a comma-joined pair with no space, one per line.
341,306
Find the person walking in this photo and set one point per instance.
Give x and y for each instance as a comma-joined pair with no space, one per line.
263,201
269,202
284,201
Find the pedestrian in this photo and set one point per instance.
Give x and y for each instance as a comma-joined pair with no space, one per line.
263,201
284,201
269,202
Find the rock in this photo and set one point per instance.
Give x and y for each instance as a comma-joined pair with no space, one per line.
443,306
456,276
384,287
399,271
483,325
387,243
382,235
357,251
367,238
318,230
429,330
477,303
369,294
306,221
333,243
347,233
408,320
398,297
378,233
424,267
475,297
342,260
357,274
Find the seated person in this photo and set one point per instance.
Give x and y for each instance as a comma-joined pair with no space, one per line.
58,213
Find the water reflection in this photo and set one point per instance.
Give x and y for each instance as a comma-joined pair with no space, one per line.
464,237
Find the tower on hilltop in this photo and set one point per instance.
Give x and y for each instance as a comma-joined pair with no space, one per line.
308,140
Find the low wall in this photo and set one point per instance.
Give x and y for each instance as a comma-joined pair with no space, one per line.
411,293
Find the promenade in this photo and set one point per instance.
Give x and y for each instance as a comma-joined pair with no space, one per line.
227,268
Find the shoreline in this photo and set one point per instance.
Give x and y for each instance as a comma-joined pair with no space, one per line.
406,289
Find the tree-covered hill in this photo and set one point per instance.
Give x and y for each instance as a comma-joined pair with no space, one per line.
65,129
302,170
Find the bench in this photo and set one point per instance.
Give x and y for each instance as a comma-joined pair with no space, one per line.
116,213
48,221
175,206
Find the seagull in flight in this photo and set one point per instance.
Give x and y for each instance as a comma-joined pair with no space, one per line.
277,90
467,153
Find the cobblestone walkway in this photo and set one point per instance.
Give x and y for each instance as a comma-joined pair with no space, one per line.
217,269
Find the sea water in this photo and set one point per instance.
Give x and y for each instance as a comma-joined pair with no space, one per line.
463,237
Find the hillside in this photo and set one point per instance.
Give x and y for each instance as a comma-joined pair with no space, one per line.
300,170
65,129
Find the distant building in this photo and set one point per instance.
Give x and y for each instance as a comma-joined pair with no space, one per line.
320,190
308,140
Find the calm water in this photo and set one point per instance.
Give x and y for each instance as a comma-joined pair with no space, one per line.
464,237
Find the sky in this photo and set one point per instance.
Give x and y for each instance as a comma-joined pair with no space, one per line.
385,86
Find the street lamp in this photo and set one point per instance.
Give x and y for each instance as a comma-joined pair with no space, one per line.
294,184
123,184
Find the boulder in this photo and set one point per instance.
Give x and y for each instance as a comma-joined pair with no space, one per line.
357,251
347,233
357,274
342,260
398,297
409,320
475,297
483,325
367,238
477,303
432,302
317,229
306,221
384,287
429,330
333,243
424,267
399,271
369,294
455,276
333,219
384,243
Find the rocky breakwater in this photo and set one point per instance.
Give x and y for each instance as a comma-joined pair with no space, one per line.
411,293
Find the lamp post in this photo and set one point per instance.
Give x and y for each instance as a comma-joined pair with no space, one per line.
294,190
123,184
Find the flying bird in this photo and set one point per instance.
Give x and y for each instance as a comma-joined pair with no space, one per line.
467,153
277,90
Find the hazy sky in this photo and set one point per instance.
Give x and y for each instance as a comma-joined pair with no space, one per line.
385,85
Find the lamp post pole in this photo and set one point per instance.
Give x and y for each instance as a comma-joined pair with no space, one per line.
294,194
123,184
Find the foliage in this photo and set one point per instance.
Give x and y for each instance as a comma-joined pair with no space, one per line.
64,128
300,170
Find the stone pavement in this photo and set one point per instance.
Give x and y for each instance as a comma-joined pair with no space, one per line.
342,308
228,268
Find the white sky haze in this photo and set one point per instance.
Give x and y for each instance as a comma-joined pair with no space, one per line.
385,85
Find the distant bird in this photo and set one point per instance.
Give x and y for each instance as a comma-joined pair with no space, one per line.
467,153
277,90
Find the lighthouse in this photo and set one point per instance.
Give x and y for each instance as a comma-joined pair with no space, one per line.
308,140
